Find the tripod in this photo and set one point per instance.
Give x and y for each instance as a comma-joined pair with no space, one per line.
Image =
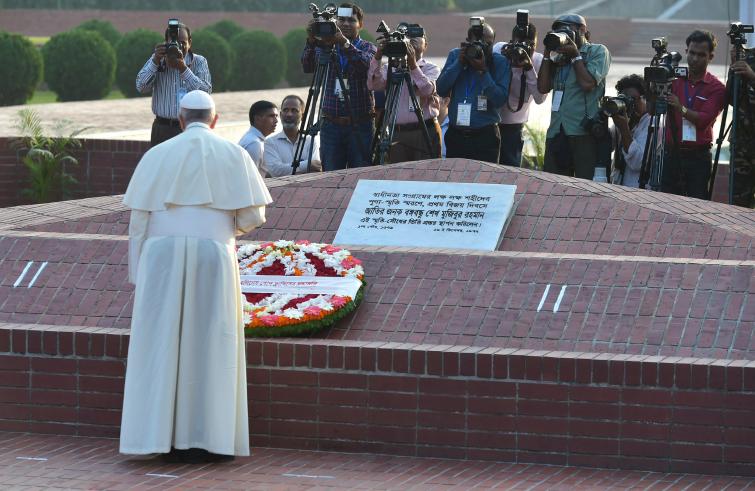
315,96
384,133
654,154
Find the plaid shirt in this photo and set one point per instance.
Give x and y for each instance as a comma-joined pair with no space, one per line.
354,61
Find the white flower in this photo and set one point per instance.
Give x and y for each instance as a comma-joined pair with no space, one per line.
293,313
283,243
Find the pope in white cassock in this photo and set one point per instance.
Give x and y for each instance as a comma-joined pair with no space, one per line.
186,374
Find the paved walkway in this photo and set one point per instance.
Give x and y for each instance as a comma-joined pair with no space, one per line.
59,462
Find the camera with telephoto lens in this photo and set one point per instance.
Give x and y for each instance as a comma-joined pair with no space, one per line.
664,67
475,47
559,37
520,49
395,46
619,104
324,26
172,47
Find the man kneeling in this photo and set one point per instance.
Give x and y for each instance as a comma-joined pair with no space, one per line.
185,393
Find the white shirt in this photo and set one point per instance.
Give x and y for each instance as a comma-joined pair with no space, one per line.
633,157
253,142
279,154
508,116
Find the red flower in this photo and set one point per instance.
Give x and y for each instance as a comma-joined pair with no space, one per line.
350,262
331,249
313,310
302,242
270,320
338,301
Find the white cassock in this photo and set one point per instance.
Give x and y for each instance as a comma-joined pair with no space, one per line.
186,372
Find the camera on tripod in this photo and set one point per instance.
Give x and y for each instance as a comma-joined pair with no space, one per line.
559,37
737,32
395,47
172,47
664,67
519,50
324,26
474,48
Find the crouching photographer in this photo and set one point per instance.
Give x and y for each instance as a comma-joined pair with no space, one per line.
525,63
575,70
171,72
477,80
628,110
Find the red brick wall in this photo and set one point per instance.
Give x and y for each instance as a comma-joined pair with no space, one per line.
105,168
614,411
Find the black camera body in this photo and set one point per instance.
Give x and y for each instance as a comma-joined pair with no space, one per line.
324,26
475,47
172,47
664,67
395,47
737,32
596,126
619,104
559,37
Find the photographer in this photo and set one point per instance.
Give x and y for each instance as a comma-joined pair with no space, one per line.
339,146
694,104
743,160
408,143
525,63
477,81
575,70
630,130
170,73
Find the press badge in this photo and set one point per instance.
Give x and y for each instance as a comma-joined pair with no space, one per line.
689,132
482,103
339,89
556,103
464,115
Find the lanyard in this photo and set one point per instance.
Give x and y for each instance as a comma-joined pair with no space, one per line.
343,60
691,100
469,88
562,78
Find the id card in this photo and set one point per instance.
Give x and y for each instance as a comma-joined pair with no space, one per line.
338,91
180,93
482,103
464,114
557,96
689,132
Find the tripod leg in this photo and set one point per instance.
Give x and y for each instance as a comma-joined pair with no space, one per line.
384,134
307,123
420,116
733,138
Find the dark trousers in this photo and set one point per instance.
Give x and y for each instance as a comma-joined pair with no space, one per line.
342,147
687,172
474,143
409,144
163,129
576,156
511,144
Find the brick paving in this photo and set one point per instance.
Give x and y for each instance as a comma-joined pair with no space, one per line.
58,462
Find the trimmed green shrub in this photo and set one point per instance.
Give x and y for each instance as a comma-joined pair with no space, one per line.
259,61
218,53
294,42
132,52
79,65
225,28
369,36
105,28
22,63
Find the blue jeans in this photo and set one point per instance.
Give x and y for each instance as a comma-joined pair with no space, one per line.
340,148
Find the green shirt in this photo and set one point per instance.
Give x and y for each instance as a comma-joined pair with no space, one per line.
575,102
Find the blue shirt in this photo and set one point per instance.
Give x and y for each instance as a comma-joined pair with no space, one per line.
465,83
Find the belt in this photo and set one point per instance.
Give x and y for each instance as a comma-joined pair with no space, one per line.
415,126
347,120
472,131
694,149
166,121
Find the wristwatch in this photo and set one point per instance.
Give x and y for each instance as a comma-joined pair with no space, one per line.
576,58
684,111
347,44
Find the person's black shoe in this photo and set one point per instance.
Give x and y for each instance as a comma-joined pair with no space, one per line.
193,455
218,457
172,457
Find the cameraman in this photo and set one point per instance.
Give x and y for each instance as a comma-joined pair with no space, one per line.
522,91
576,72
632,132
171,74
478,87
408,140
743,159
339,146
688,166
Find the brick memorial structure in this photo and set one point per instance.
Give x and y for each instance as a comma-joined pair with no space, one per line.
612,327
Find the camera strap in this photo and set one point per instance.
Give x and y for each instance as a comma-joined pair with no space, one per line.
522,88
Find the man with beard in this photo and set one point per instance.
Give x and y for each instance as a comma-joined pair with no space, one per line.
280,146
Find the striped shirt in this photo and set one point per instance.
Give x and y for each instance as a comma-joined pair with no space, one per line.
165,85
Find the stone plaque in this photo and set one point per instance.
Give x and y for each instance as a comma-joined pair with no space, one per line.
427,214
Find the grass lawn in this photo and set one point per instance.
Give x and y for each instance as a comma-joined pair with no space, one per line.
48,96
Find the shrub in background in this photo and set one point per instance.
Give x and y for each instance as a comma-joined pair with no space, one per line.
218,53
132,52
294,42
225,28
79,65
22,63
259,61
105,28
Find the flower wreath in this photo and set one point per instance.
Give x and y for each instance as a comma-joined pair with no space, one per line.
281,314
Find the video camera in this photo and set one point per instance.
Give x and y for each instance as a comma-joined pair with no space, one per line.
171,46
559,37
475,48
737,32
324,26
664,67
519,50
395,47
